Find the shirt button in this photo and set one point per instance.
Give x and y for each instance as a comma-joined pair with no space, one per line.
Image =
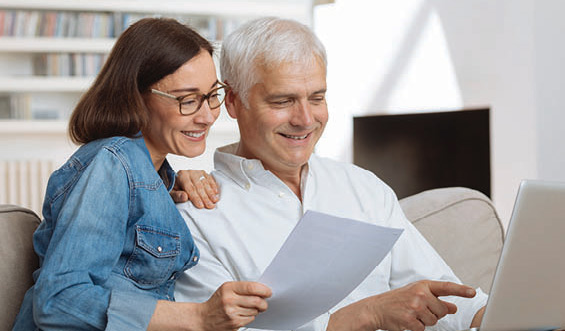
247,186
194,259
250,166
159,249
281,194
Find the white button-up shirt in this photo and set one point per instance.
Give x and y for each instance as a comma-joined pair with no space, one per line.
257,211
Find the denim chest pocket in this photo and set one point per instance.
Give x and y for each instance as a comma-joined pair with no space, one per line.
154,255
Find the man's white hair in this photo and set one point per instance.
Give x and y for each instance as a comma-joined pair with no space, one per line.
268,41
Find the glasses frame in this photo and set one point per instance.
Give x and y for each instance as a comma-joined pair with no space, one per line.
201,98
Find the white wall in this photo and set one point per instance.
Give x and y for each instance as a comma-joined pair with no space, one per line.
409,55
550,88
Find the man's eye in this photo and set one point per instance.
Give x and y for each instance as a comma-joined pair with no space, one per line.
284,102
318,100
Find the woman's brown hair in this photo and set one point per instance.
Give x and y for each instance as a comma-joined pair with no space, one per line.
147,51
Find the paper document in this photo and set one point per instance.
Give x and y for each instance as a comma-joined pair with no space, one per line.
323,259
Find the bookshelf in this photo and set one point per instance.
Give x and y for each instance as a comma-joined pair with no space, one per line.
300,9
24,49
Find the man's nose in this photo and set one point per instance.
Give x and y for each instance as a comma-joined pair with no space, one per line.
302,114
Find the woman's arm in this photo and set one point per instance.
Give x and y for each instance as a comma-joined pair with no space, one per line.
87,241
232,306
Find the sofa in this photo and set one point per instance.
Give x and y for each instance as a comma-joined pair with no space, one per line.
464,228
461,224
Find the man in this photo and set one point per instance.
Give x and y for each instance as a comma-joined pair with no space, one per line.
277,73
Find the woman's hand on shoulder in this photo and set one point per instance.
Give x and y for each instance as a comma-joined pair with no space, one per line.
197,186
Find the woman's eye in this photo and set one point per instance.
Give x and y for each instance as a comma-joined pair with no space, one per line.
188,102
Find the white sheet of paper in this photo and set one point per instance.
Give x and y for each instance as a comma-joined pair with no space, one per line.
323,259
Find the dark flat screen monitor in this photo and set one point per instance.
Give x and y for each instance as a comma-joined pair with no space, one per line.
421,151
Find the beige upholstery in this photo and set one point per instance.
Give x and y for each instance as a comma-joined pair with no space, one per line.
17,259
463,226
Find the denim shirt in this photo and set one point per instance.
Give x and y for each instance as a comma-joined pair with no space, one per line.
112,242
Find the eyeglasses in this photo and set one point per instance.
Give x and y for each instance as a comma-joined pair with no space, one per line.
191,103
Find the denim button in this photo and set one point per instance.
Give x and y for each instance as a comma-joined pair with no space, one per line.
160,249
195,258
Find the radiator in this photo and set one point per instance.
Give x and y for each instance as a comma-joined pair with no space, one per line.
23,182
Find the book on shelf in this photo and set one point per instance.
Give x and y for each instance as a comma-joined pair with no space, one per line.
68,64
19,106
73,24
15,106
5,107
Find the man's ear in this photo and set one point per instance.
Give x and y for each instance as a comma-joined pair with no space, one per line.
232,101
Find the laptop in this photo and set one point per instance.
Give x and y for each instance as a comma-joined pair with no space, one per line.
528,290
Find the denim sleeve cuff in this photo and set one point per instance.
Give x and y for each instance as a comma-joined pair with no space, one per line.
130,311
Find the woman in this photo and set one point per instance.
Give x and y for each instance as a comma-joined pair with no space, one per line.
112,242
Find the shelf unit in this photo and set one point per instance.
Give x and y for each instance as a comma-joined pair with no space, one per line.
15,127
55,45
16,81
44,84
298,9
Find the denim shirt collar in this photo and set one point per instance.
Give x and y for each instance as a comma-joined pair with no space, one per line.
166,172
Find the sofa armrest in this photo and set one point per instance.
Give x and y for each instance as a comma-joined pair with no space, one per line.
17,259
464,228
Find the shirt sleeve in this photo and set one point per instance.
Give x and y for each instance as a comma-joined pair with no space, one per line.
86,243
199,282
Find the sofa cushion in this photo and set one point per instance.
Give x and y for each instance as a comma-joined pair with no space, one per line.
464,228
17,259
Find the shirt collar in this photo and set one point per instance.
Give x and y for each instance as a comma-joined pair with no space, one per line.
241,170
226,161
169,174
166,172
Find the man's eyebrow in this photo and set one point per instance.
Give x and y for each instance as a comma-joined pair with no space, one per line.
193,89
293,95
282,95
324,90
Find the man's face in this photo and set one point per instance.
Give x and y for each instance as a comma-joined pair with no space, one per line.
286,116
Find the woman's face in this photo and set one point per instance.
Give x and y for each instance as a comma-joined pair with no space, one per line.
171,132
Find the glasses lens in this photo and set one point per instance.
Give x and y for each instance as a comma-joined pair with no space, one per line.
217,97
189,104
